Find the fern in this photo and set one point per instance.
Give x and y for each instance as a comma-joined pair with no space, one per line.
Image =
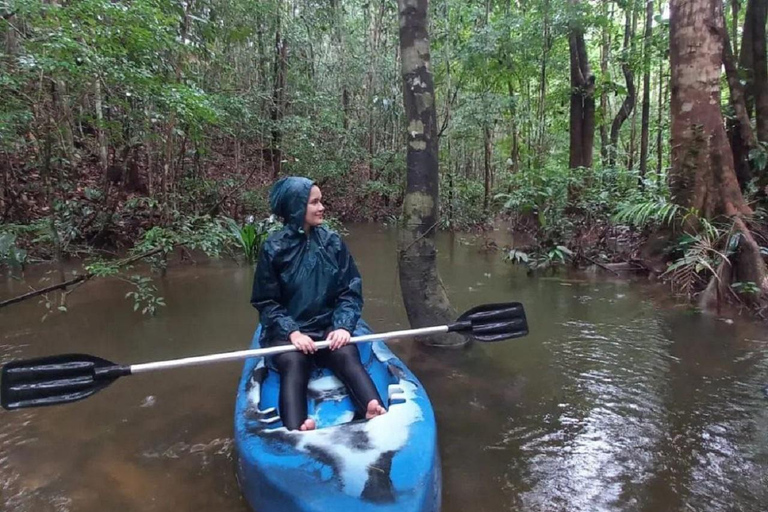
647,213
699,261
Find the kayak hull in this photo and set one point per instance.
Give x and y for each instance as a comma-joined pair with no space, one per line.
389,463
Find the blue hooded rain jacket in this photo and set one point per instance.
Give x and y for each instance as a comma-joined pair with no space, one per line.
304,282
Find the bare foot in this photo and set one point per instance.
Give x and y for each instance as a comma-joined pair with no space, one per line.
309,424
374,409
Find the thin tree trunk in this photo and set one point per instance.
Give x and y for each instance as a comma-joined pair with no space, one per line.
339,36
103,157
646,108
423,294
735,6
605,49
582,112
760,68
629,101
741,135
488,154
703,175
278,93
541,107
660,120
746,57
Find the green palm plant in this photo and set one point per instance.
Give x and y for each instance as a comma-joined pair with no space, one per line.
251,235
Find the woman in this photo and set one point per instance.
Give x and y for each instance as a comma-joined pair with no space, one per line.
307,288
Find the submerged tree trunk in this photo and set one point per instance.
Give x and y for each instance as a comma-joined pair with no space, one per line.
702,175
423,294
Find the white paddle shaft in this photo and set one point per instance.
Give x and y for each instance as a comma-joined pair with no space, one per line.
270,351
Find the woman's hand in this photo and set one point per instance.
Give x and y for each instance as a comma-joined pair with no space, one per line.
302,342
338,338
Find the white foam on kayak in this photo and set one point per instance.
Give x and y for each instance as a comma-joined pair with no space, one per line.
386,433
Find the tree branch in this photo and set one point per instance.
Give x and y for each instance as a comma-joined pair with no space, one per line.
75,280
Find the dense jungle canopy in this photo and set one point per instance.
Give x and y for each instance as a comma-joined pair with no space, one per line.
612,131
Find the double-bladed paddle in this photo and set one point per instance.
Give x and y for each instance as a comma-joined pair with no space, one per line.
69,377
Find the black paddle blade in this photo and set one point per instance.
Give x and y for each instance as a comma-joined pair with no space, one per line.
493,322
55,380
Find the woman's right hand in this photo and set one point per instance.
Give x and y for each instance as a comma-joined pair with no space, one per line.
302,342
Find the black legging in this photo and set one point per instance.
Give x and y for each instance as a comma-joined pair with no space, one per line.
295,369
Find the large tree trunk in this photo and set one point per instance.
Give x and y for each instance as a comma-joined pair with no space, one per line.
646,108
423,294
629,101
702,175
582,120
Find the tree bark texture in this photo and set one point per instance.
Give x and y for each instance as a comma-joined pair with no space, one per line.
740,133
582,119
424,297
646,108
278,95
702,175
746,57
760,68
629,101
605,49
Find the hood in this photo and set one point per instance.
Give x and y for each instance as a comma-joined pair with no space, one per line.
288,200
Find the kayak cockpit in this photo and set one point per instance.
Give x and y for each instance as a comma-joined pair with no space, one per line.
329,402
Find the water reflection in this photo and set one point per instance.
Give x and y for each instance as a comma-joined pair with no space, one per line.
616,401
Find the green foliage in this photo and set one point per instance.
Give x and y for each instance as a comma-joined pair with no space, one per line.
145,295
759,156
697,258
461,206
11,255
252,235
548,259
659,212
746,288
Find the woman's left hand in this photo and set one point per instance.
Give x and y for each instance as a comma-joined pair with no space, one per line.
338,338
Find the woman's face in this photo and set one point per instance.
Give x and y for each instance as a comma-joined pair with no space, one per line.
315,208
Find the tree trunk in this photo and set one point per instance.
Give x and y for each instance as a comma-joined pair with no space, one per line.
582,116
339,36
703,175
746,57
488,155
541,113
605,49
660,120
645,122
278,94
629,102
103,157
735,6
760,68
424,297
740,133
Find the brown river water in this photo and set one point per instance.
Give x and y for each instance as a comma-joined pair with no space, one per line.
619,399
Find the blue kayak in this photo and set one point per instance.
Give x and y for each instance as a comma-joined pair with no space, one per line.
388,463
